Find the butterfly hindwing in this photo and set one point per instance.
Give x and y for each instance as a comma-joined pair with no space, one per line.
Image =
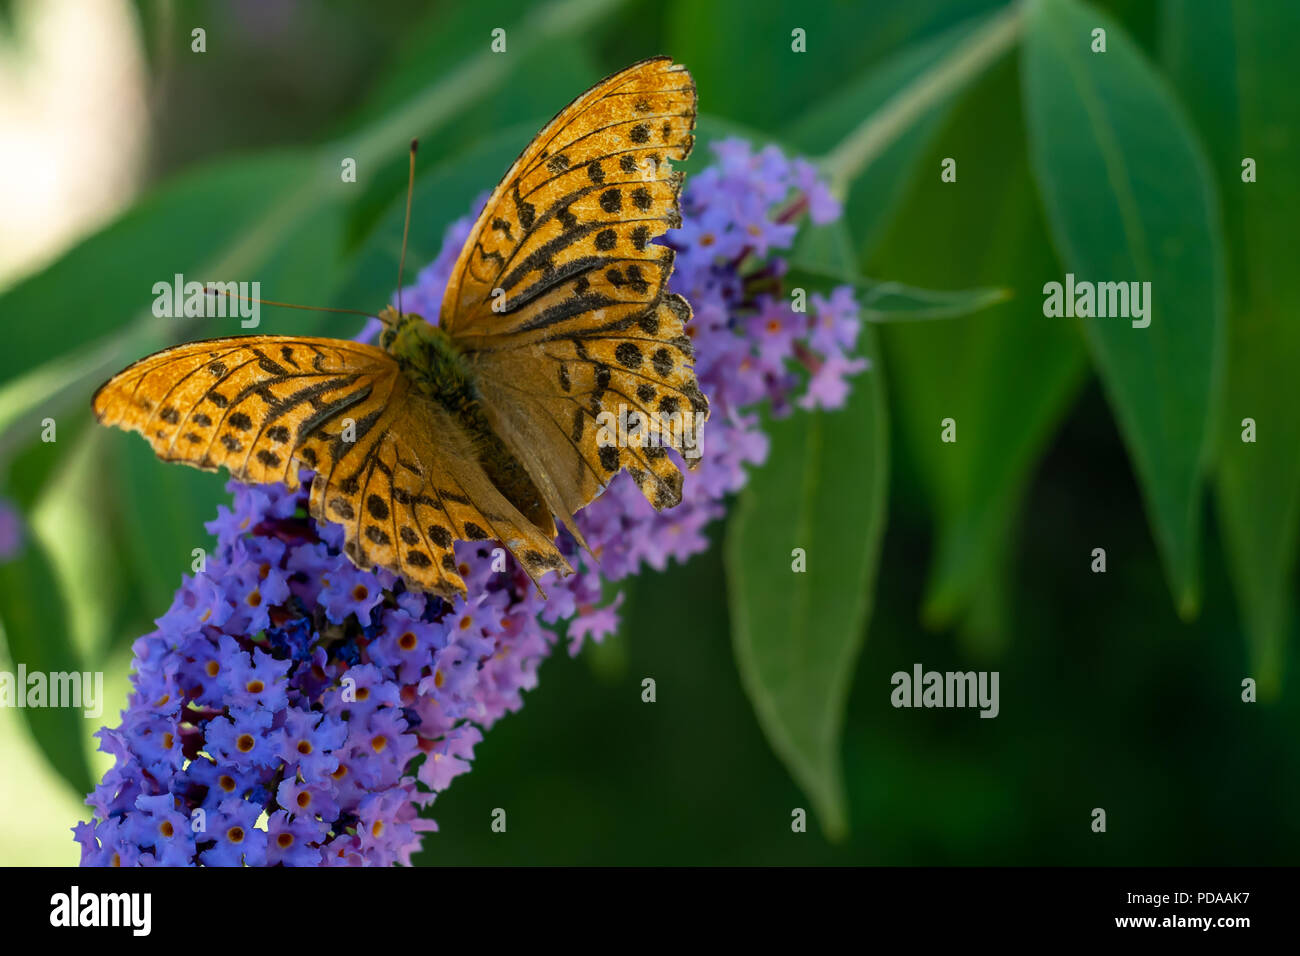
415,490
391,467
572,405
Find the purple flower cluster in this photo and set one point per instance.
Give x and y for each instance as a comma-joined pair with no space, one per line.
290,708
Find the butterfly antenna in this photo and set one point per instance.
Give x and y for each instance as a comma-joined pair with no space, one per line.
406,226
290,305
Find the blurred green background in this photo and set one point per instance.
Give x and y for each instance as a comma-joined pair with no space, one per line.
129,157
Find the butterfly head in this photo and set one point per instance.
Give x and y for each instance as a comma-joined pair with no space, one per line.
400,327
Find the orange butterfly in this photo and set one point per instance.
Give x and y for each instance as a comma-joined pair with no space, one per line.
485,425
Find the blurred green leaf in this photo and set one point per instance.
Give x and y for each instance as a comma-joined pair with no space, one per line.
537,83
816,263
102,283
73,519
444,192
918,98
875,192
1236,63
163,510
716,40
1007,377
28,472
36,635
510,85
1129,197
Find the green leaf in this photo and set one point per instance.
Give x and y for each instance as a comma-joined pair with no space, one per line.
536,84
37,636
443,193
1235,63
1129,197
823,258
717,39
1006,377
162,512
107,280
887,89
796,635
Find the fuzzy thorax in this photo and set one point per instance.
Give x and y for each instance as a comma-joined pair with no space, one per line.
441,371
426,354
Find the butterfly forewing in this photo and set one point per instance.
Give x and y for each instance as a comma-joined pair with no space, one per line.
244,403
391,467
568,231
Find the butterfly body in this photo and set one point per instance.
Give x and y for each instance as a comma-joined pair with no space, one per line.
431,360
491,424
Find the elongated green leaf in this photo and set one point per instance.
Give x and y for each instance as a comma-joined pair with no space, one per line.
1129,198
881,301
1235,63
796,634
37,638
895,302
1005,377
